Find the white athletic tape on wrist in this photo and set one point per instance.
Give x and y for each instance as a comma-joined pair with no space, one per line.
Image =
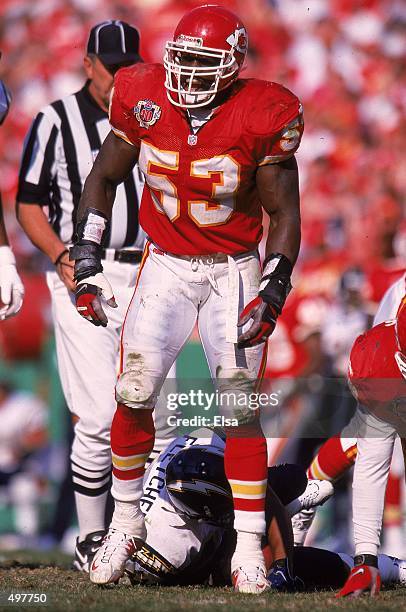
94,228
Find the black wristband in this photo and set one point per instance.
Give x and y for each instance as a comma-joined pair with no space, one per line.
87,260
282,263
61,254
84,251
371,560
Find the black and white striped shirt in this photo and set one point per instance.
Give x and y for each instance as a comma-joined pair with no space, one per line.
59,152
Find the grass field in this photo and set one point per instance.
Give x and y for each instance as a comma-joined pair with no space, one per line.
68,591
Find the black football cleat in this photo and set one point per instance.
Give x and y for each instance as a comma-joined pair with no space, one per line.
85,550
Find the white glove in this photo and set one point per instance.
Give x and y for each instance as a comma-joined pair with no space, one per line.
11,287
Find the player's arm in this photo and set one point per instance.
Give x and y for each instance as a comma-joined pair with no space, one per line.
279,534
279,550
11,287
113,164
278,188
3,232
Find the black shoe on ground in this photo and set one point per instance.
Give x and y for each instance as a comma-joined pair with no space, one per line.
85,551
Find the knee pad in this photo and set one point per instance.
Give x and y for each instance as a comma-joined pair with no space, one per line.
236,392
135,390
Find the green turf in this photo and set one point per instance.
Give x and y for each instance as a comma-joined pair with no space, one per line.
69,591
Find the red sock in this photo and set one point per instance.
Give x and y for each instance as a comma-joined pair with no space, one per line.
245,461
335,457
132,440
393,513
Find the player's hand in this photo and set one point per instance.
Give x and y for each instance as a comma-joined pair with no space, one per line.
88,295
11,286
65,268
363,579
263,317
264,309
282,579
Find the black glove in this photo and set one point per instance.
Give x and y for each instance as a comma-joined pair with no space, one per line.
265,309
91,284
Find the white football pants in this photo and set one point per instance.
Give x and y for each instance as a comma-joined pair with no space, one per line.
172,293
375,443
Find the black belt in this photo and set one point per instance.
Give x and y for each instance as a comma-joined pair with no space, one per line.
123,256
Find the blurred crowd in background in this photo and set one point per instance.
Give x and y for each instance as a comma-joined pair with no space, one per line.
345,60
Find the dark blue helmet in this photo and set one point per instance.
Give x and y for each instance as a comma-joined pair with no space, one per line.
197,484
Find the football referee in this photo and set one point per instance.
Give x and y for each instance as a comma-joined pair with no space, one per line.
59,152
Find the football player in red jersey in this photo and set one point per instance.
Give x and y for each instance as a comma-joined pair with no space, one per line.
214,150
377,374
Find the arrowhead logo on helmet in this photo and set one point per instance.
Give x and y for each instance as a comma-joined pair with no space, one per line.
239,40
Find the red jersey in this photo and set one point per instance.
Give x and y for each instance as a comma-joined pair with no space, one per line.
201,195
374,372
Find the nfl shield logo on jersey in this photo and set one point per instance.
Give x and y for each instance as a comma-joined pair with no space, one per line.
147,113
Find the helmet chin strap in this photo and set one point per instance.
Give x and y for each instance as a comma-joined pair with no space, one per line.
196,98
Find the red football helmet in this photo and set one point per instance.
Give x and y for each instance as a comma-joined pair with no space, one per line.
205,56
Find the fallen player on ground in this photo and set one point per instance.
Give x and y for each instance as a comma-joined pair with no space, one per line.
188,513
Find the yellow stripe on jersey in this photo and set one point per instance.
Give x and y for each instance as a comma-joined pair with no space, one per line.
274,159
122,135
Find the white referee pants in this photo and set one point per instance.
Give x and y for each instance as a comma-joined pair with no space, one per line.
88,363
